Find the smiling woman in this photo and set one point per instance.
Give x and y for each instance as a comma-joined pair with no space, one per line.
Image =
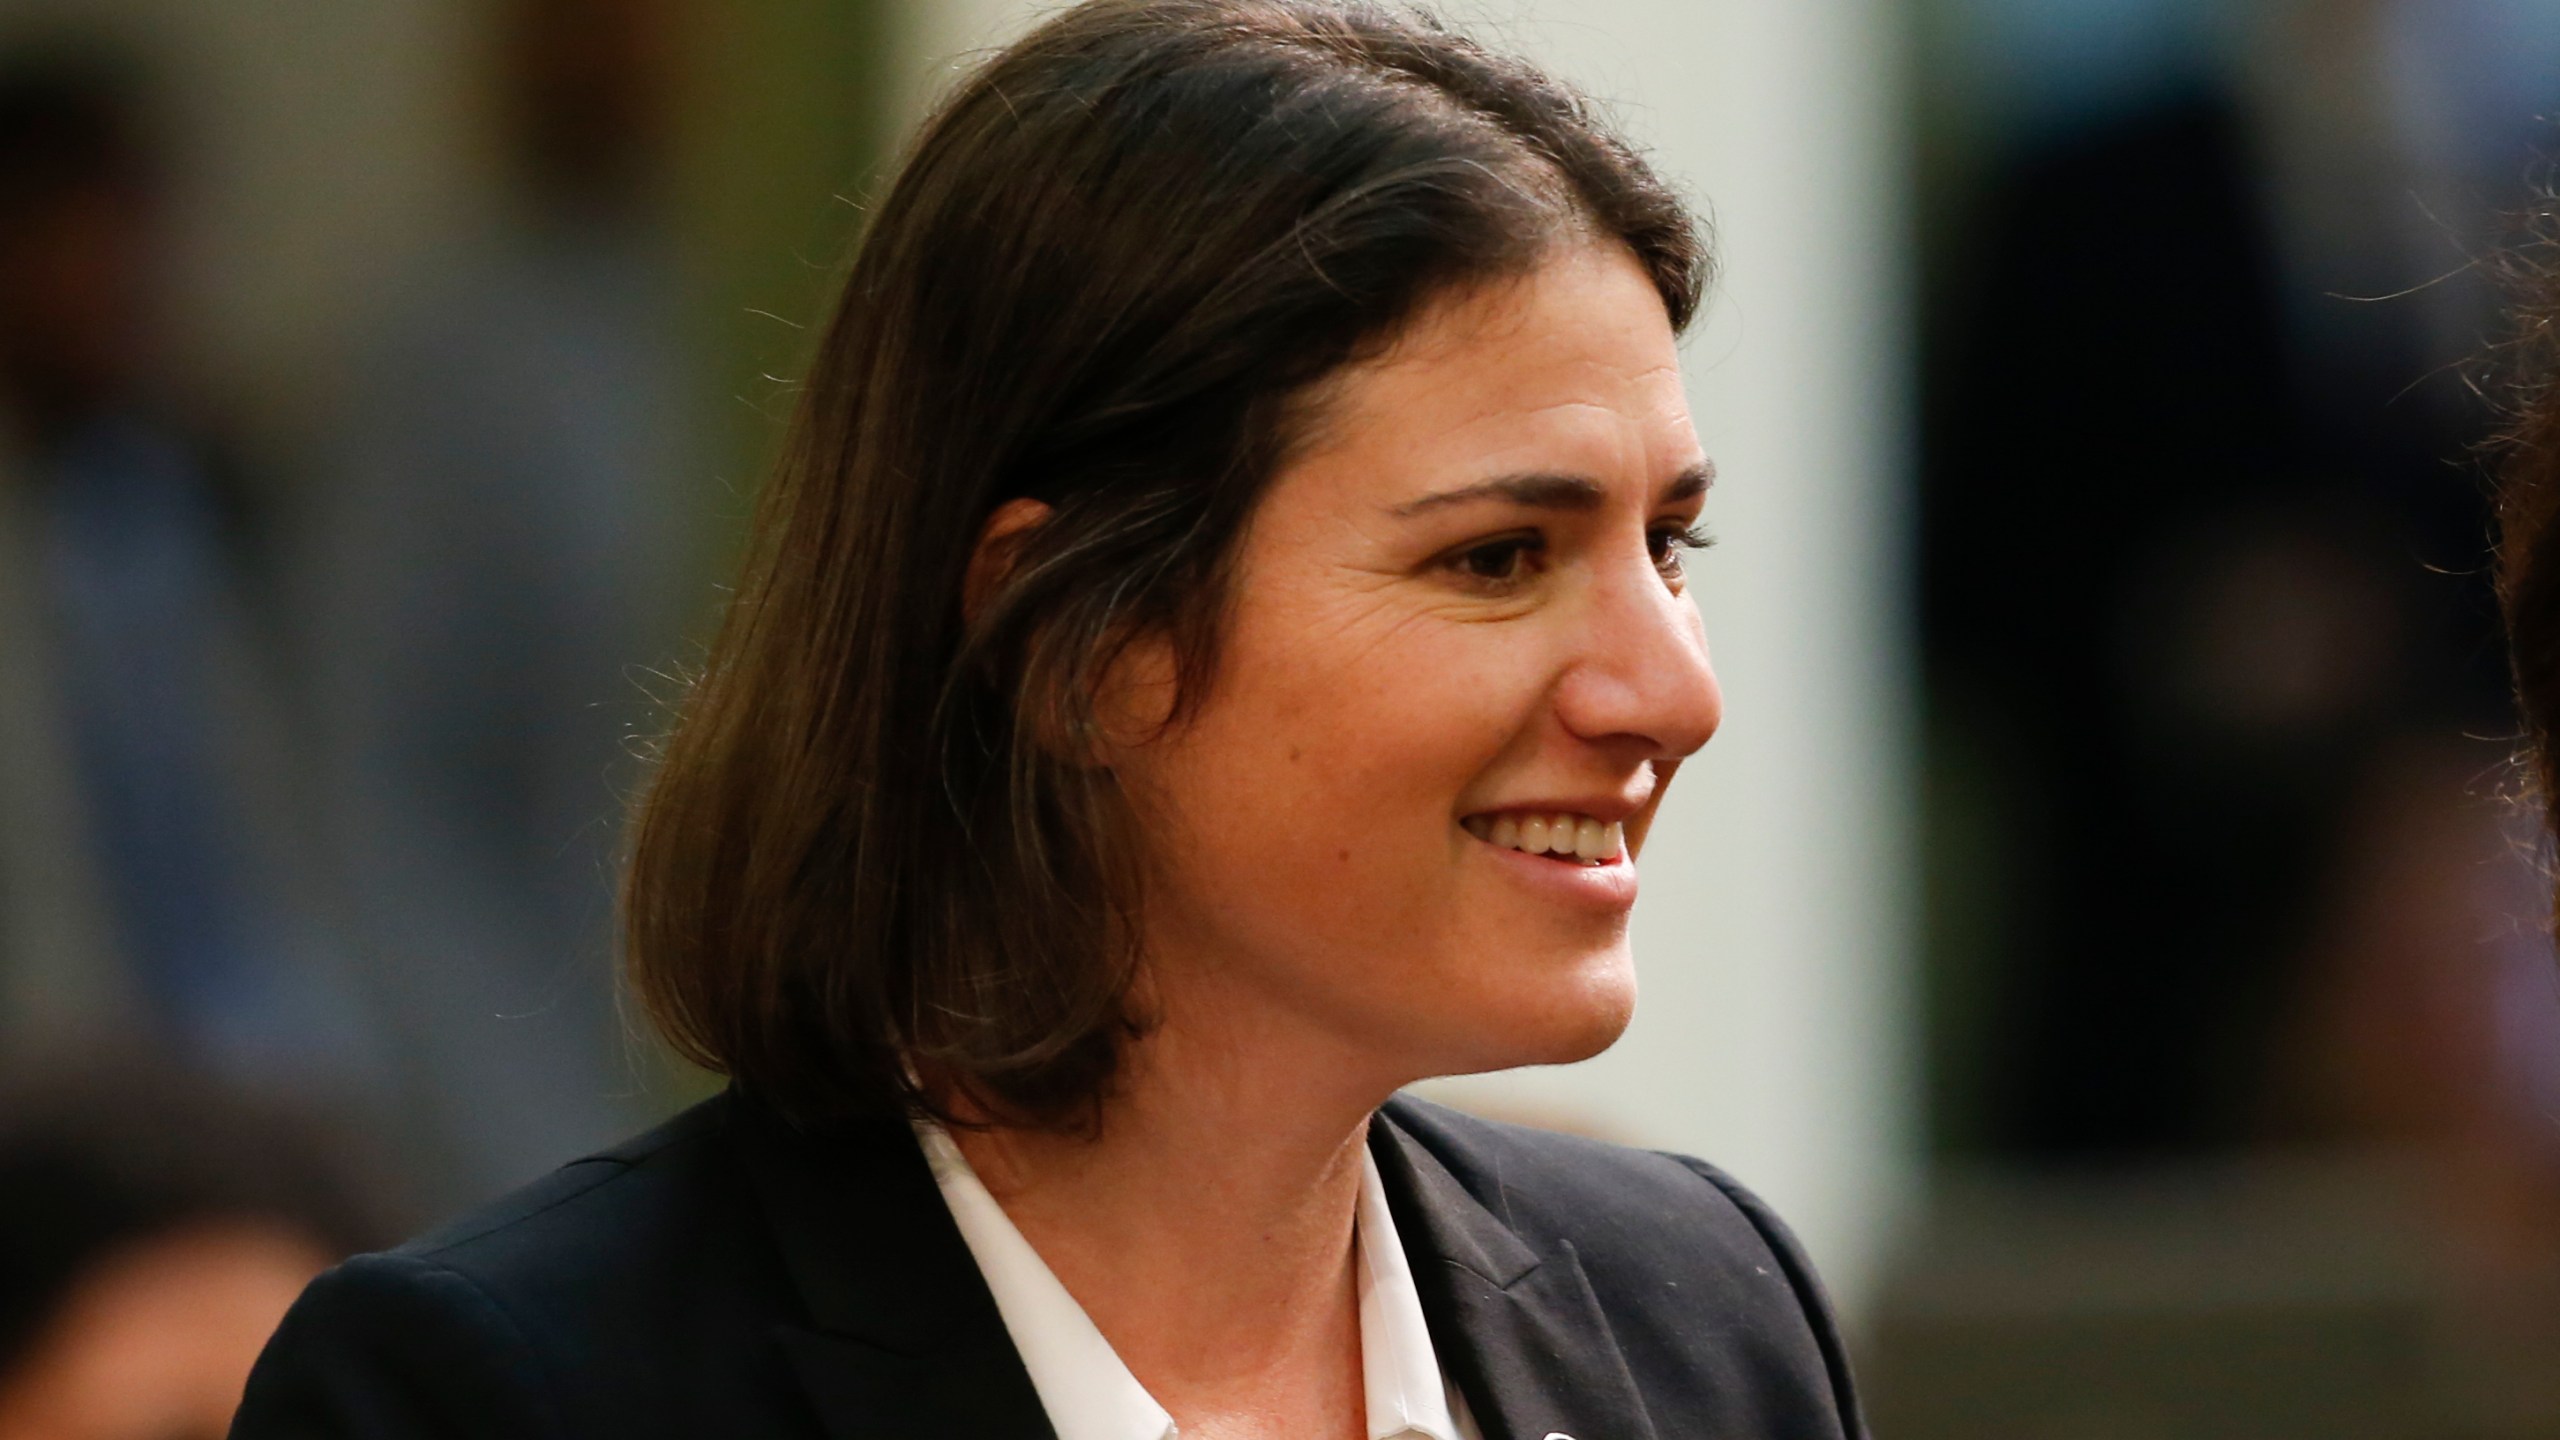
1209,659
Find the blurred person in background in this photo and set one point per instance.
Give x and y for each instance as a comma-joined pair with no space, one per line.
2254,1131
2206,597
494,554
2528,503
2525,382
157,876
2528,553
153,1229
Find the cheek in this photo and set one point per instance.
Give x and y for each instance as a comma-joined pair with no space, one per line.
1308,823
1304,822
1357,739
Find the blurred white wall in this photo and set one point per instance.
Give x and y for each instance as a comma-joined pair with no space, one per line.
1776,938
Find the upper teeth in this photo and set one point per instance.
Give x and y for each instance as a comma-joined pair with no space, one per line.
1578,836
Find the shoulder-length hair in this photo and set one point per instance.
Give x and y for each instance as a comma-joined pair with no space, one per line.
1106,277
2528,500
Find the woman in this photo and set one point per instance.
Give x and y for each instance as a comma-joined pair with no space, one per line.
1210,656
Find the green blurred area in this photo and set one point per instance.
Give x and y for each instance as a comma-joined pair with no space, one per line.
789,127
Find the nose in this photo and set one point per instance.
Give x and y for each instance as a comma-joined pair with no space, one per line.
1640,678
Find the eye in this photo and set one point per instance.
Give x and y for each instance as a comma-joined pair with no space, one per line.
1666,542
1500,561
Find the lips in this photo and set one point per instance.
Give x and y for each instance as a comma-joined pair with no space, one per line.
1558,835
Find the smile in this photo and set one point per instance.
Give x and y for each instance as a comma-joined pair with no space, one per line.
1578,839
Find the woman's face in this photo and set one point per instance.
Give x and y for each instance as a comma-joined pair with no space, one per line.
1458,624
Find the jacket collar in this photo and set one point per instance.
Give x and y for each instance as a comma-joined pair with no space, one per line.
904,1341
1520,1332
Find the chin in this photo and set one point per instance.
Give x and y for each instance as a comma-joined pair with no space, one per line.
1602,1015
1572,1020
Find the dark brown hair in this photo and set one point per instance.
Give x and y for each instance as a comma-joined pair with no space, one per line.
2528,509
1106,278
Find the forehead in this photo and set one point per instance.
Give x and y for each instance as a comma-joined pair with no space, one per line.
1571,368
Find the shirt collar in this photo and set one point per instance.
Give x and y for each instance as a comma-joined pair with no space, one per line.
1408,1395
1087,1389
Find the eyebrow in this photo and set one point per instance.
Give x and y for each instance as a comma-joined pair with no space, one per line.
1554,492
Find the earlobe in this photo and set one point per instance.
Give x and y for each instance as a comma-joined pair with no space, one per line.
1130,703
1134,697
998,542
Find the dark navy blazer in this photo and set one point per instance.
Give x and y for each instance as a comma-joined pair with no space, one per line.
727,1276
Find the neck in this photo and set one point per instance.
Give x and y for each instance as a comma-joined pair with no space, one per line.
1207,1224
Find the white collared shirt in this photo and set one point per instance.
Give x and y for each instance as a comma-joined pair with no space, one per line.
1088,1390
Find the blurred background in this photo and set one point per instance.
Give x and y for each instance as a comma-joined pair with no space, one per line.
2104,926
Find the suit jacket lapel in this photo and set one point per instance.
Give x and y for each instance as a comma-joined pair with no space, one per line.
905,1343
904,1340
1521,1333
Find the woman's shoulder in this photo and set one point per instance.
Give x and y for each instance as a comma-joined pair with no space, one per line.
565,1228
551,1310
1700,1280
1594,1192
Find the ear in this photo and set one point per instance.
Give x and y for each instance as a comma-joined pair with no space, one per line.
992,560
